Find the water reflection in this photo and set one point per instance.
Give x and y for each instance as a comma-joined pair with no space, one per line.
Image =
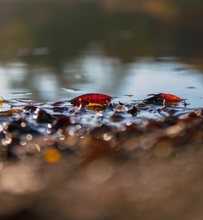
99,73
101,46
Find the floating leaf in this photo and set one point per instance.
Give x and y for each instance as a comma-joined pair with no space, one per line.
10,112
1,101
170,97
86,99
95,107
162,98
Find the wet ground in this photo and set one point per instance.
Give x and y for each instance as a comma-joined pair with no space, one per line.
87,160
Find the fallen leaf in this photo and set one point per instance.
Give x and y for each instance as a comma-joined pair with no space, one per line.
95,107
170,97
86,99
10,112
162,98
1,101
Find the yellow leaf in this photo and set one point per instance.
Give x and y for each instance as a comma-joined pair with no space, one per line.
1,101
9,112
95,107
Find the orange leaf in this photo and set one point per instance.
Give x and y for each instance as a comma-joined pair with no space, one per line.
95,106
160,98
170,97
1,101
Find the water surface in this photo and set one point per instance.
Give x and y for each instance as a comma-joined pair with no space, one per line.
99,73
55,51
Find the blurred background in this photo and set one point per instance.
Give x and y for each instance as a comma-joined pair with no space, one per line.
52,50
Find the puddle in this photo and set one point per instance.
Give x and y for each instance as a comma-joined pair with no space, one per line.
104,75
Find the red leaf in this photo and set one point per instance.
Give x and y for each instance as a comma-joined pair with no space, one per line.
85,99
170,97
161,97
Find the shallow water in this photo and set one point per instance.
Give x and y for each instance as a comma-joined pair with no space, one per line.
100,73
